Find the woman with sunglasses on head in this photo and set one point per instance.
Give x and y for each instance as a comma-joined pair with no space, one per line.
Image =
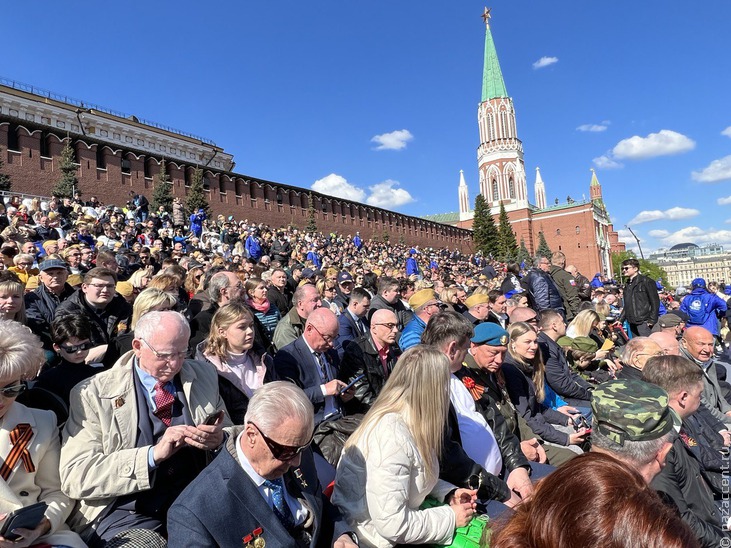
390,464
31,462
12,306
242,365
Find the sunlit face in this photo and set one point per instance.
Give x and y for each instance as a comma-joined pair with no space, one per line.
54,278
499,305
489,358
526,345
239,335
390,295
67,351
699,344
360,308
99,292
11,301
290,433
310,302
693,402
163,355
259,293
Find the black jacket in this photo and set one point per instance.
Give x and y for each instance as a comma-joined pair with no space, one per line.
40,309
682,482
523,395
641,301
282,300
559,376
105,325
403,314
361,358
281,251
491,405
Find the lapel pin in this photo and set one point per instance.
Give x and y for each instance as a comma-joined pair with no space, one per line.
300,478
119,402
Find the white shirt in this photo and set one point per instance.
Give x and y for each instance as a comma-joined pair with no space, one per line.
478,441
298,511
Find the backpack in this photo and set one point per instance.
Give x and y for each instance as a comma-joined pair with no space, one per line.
696,310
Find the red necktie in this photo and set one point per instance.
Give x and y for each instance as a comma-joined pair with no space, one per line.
164,403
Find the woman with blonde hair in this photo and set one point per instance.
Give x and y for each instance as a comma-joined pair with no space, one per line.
328,290
449,297
525,381
242,365
29,446
141,278
390,464
582,324
23,267
12,306
193,281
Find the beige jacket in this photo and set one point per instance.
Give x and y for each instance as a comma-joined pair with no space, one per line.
99,460
25,488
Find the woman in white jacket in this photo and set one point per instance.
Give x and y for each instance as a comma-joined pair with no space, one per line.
29,445
391,462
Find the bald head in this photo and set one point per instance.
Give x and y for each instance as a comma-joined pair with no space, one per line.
698,342
321,329
384,327
523,314
667,342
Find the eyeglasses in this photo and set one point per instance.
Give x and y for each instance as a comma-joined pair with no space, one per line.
167,357
72,348
13,391
389,326
626,267
279,451
327,338
102,287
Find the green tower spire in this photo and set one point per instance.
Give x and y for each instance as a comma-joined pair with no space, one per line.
492,77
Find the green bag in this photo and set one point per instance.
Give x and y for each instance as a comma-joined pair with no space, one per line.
464,537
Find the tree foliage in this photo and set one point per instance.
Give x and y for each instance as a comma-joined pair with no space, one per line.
651,270
507,246
162,194
311,219
484,230
196,198
543,249
68,184
523,254
5,182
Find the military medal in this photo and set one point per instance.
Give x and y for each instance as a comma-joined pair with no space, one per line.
300,478
259,542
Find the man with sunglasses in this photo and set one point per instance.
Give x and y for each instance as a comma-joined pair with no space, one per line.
139,433
262,489
641,300
425,304
311,363
370,357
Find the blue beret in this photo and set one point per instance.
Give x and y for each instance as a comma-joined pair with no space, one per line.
490,333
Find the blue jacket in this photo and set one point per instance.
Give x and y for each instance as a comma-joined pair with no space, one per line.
701,303
411,266
411,335
253,247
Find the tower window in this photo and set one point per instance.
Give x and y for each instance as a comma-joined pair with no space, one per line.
558,232
511,187
578,230
495,194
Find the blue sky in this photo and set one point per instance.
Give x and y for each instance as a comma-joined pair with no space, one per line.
377,101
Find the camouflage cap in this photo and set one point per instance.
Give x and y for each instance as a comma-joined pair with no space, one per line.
584,344
632,410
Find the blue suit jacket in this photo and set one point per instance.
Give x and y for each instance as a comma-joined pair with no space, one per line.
222,506
296,363
348,331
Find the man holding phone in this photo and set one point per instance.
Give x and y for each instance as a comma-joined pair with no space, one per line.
140,432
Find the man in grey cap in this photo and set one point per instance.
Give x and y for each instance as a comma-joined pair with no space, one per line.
41,303
633,423
672,322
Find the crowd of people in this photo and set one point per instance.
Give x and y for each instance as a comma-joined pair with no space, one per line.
178,380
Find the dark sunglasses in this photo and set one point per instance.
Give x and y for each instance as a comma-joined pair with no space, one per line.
279,451
71,348
13,391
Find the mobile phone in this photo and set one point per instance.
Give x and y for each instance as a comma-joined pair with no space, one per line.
213,417
352,383
28,517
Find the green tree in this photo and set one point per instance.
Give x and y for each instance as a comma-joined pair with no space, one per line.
484,230
651,270
162,194
543,249
196,198
507,246
386,236
401,239
523,254
311,219
5,182
68,184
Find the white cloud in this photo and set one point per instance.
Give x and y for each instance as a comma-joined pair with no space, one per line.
336,185
717,170
672,214
658,233
544,62
698,236
663,143
724,201
593,128
396,140
624,234
605,162
387,195
727,132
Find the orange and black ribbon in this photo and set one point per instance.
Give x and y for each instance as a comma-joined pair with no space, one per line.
19,438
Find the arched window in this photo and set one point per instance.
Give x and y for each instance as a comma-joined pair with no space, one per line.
511,187
490,128
503,124
578,230
495,194
558,232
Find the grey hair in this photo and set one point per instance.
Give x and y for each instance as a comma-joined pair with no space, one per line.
23,257
278,401
149,324
218,282
635,346
21,351
639,453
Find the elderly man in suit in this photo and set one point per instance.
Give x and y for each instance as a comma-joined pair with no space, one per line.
262,489
352,322
140,432
311,363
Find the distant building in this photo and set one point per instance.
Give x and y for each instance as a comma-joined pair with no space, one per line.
117,153
684,262
580,228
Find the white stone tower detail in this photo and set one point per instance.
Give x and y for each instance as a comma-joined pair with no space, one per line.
464,198
540,190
